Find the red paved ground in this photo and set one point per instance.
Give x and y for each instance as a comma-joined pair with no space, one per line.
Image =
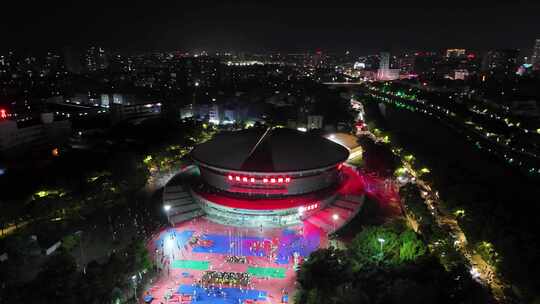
171,279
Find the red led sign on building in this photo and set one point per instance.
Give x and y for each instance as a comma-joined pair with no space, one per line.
265,180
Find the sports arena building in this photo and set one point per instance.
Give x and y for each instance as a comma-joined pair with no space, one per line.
273,177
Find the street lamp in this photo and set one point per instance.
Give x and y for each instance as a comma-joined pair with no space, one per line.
335,217
381,241
134,279
80,234
167,208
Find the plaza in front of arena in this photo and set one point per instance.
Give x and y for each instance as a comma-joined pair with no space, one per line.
201,261
204,262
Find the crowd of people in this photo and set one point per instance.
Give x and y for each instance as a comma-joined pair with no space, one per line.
199,240
235,259
221,278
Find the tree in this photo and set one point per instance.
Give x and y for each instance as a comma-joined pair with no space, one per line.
415,206
322,273
375,245
390,245
56,281
410,290
69,242
411,246
137,255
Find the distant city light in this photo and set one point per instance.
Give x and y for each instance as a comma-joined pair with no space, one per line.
167,208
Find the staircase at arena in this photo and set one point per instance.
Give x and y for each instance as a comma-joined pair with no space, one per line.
183,207
345,207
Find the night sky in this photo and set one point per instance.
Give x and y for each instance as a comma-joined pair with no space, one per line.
274,26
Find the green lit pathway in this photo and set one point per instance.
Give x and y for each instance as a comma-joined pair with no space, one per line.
190,264
270,272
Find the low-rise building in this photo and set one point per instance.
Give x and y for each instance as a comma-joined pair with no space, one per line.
47,132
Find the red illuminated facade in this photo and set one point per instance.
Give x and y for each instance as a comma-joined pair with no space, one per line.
271,177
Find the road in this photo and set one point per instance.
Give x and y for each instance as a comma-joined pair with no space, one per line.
480,270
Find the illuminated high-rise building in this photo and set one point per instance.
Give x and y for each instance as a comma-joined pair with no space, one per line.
455,53
96,59
535,58
384,72
503,63
384,63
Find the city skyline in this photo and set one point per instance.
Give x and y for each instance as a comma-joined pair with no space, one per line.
280,152
285,27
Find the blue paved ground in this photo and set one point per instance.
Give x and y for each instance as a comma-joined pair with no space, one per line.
221,296
291,242
221,245
181,237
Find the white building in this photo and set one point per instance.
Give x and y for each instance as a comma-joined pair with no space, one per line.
213,114
121,112
461,74
314,122
455,53
105,101
118,99
186,112
48,132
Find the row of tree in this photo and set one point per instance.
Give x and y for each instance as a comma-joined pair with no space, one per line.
495,204
60,281
384,264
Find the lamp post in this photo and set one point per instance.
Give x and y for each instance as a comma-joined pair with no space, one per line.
80,234
134,279
381,241
167,208
335,217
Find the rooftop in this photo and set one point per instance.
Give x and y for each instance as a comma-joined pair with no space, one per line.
276,150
